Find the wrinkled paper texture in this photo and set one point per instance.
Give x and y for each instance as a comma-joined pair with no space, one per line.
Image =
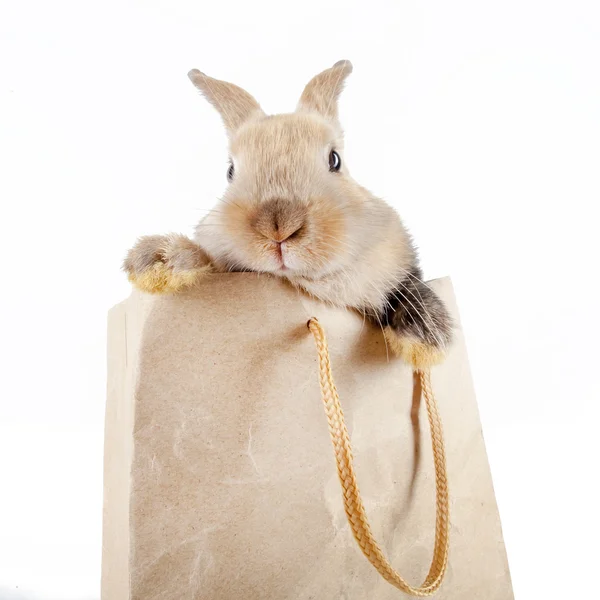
220,481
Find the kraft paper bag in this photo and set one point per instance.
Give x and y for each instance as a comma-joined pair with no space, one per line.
220,480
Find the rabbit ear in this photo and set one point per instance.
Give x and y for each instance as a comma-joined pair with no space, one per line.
234,104
322,91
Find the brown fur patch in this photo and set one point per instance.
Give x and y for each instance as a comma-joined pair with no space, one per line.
278,219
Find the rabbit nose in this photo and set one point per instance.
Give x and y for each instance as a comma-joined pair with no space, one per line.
279,220
282,234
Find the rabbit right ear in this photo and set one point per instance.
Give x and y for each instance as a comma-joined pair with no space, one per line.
234,104
322,91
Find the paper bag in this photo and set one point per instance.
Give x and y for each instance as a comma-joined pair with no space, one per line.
220,482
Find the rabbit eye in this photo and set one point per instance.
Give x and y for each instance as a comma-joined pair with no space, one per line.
230,172
335,162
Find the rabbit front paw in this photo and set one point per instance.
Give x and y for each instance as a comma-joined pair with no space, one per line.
419,328
417,353
165,264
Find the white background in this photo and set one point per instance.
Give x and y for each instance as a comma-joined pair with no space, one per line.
478,120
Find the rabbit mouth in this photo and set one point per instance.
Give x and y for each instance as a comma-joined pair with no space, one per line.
281,254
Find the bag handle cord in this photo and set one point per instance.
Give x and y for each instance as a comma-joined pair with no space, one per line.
355,510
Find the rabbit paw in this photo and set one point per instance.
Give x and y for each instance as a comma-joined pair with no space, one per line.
165,264
418,354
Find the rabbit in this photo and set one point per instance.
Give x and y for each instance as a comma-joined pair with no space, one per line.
291,209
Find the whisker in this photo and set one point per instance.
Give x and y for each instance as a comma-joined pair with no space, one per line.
416,278
433,331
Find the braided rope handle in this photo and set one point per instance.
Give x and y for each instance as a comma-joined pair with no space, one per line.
355,510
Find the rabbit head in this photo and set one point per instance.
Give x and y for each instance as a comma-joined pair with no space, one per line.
291,207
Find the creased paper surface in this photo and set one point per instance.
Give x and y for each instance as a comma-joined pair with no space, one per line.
220,481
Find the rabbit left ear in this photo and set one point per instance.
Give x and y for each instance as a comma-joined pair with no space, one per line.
322,91
234,104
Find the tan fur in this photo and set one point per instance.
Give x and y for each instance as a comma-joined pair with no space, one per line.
159,279
285,212
415,353
321,93
160,264
351,246
233,103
